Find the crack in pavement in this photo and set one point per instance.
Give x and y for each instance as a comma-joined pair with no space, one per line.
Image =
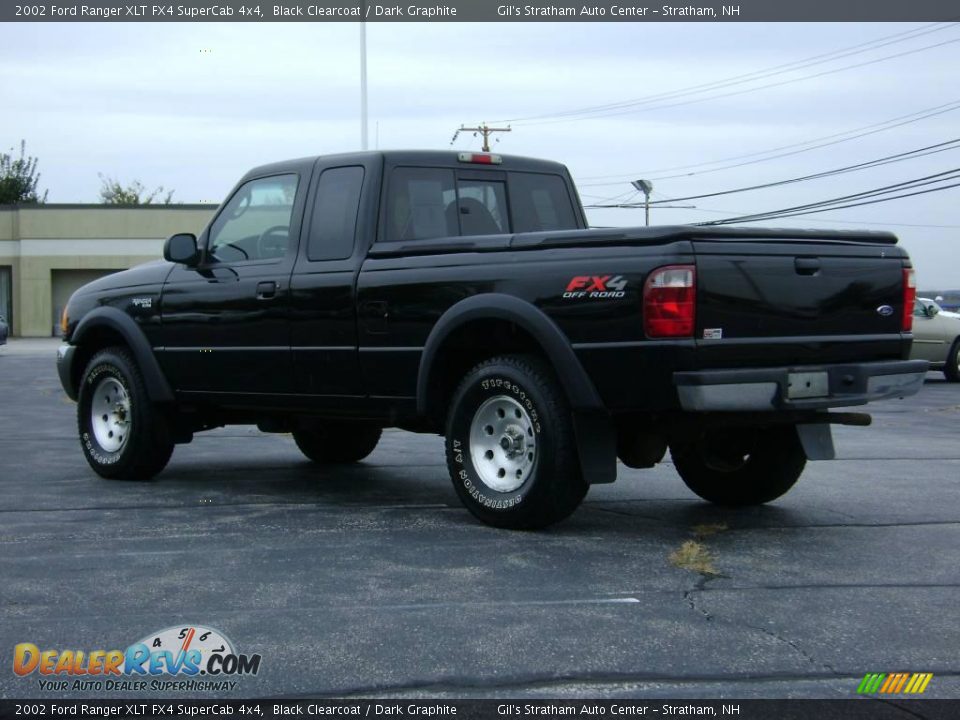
700,586
807,656
708,575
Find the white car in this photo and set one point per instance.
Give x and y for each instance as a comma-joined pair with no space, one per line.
936,337
927,302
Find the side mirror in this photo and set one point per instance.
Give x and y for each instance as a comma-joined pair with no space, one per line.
182,248
932,310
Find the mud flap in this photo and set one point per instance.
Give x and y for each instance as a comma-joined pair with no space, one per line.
596,446
817,441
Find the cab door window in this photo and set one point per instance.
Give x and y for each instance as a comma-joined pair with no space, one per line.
255,223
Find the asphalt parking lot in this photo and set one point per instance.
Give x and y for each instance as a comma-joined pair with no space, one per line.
373,580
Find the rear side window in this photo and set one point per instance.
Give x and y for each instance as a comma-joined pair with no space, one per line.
540,202
334,222
421,204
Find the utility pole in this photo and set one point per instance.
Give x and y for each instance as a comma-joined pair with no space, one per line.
364,143
485,130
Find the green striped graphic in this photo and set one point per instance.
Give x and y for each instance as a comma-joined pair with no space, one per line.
871,682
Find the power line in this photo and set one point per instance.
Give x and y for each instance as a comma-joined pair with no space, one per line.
835,203
636,105
838,220
889,159
832,207
908,184
857,133
757,74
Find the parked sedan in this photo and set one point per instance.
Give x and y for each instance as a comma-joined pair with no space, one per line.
4,330
936,338
945,313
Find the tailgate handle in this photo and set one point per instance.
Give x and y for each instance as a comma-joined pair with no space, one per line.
807,266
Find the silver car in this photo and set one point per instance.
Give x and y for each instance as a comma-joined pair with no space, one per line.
945,313
936,337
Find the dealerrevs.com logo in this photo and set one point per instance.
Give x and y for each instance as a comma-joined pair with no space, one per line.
180,658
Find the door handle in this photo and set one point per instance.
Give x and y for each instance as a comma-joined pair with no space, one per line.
807,266
266,290
377,308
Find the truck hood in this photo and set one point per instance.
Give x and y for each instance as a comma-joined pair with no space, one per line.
149,273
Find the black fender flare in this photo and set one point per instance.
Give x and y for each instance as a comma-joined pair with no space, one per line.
596,438
105,316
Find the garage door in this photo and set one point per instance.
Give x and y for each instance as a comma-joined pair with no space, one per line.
6,294
64,283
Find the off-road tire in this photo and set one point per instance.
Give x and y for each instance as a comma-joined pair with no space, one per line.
952,369
343,442
533,493
741,466
143,447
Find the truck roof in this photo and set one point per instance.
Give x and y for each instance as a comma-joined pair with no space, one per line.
436,158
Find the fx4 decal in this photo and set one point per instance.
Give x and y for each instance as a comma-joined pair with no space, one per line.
596,286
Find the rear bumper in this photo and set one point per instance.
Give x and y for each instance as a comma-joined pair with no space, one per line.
64,369
770,389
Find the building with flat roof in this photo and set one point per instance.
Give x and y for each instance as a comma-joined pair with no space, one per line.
48,251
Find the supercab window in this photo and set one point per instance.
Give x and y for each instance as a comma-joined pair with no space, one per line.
334,222
255,223
425,203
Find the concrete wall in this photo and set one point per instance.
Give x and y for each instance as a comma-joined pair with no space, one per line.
37,239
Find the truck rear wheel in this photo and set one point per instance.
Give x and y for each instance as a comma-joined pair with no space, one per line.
122,435
510,445
343,442
742,466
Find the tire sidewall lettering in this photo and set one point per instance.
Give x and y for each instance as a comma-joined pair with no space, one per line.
89,442
95,451
466,476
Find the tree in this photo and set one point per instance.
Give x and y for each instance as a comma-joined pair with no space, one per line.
19,178
113,192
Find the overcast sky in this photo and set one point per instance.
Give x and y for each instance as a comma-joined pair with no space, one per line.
193,106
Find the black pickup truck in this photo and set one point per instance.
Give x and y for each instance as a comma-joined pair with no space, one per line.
463,294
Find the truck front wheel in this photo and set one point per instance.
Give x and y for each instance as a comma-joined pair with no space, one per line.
510,445
122,435
742,466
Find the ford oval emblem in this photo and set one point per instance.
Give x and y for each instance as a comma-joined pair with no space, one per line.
885,310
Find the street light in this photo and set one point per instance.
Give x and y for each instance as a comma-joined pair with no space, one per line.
646,187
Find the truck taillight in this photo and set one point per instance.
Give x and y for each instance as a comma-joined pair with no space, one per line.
669,302
909,297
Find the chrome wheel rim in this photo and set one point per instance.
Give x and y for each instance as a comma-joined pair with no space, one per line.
110,415
503,445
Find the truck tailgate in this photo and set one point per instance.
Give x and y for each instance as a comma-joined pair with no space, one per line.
798,302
